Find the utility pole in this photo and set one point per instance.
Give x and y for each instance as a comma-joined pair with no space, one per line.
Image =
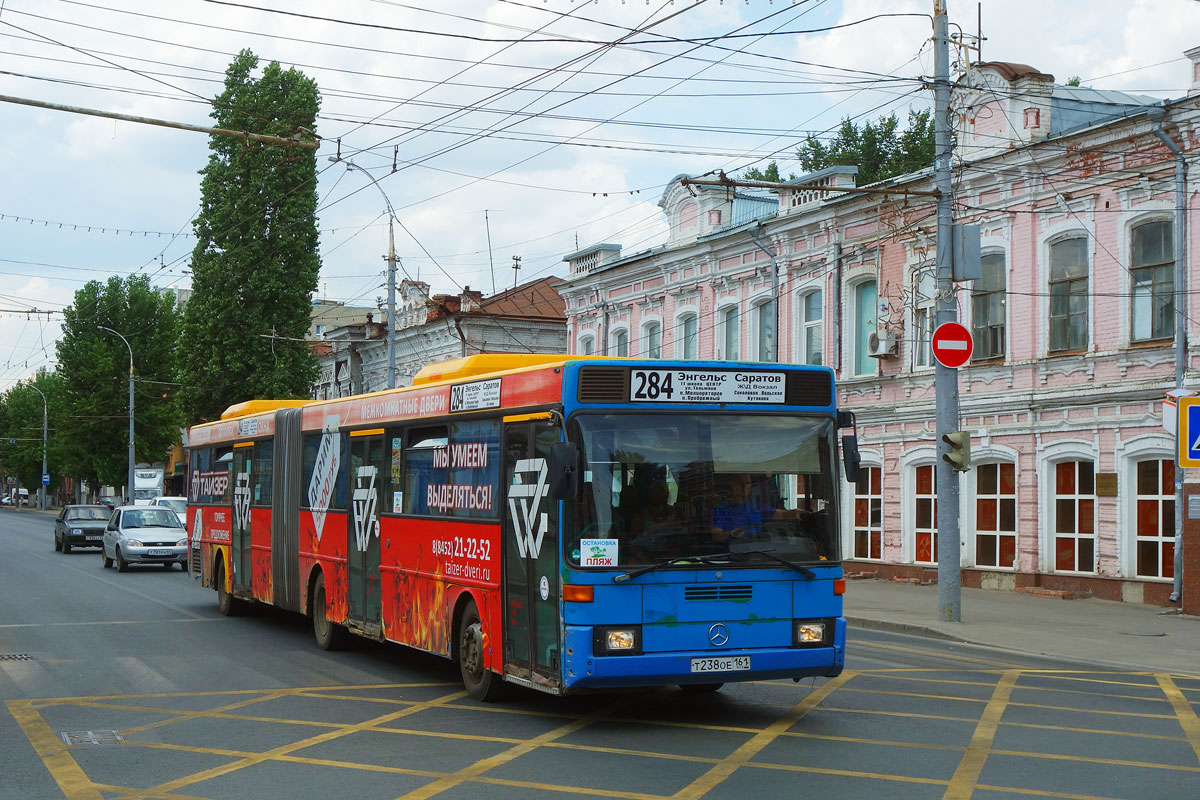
516,266
491,266
132,457
945,378
42,490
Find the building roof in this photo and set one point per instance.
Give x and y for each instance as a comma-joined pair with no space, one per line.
1011,71
537,298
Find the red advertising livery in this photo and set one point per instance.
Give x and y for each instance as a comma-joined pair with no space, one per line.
480,515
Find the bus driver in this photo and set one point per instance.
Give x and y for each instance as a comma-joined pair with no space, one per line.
741,516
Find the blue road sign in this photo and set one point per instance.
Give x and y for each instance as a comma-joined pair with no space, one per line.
1188,435
45,479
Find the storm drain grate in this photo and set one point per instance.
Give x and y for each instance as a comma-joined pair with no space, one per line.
91,737
15,657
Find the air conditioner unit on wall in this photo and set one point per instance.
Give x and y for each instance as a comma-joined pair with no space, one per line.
881,343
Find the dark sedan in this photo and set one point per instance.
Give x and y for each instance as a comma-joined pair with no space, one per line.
80,526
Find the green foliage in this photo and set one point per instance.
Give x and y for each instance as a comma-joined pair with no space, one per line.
879,149
256,260
91,421
1074,80
771,173
21,410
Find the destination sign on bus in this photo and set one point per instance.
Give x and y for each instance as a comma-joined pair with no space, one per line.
706,386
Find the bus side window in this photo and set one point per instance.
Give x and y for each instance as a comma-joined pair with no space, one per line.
223,463
261,471
427,460
200,458
393,482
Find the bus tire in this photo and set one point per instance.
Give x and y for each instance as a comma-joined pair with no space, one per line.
700,688
227,604
481,683
329,635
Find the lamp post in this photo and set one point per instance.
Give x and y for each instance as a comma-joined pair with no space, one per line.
42,490
391,276
129,475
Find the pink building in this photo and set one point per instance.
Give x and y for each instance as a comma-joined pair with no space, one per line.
1073,318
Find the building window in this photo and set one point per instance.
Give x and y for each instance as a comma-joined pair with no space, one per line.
1068,294
926,515
730,332
764,318
621,343
689,347
868,514
1075,516
987,309
996,515
587,345
865,298
924,302
1156,518
811,328
654,340
1153,273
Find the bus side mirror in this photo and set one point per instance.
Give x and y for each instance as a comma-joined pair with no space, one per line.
850,457
564,470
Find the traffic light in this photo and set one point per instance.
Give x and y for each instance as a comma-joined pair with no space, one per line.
959,456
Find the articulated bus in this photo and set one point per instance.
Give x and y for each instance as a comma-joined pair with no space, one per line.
562,523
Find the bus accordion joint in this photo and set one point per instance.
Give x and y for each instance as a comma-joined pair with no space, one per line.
839,585
578,594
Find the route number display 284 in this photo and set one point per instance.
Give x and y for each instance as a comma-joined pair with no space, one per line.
651,384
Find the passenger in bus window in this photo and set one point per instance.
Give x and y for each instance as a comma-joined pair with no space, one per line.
741,515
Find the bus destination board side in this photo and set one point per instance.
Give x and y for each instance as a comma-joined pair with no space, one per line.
706,386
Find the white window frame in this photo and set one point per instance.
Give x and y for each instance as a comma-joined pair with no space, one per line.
922,279
679,339
806,325
615,341
723,333
587,345
1129,453
992,454
1051,455
857,332
761,308
648,327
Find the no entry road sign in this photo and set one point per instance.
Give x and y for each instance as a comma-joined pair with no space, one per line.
952,345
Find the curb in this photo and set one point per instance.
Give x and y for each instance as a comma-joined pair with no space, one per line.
903,627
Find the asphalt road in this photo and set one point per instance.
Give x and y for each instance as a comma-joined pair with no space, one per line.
161,697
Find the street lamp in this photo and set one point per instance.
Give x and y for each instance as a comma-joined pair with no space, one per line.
42,490
391,259
129,476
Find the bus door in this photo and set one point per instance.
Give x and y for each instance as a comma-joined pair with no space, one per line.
367,473
530,563
243,458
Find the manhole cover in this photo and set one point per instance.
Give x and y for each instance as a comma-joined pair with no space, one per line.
91,737
15,657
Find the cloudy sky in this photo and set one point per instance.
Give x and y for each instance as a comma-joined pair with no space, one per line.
548,124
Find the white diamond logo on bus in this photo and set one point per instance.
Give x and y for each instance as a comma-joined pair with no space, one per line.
241,499
525,497
366,498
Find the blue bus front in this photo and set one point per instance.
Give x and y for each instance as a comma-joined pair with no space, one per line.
702,545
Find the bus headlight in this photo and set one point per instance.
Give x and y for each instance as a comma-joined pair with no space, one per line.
811,632
618,640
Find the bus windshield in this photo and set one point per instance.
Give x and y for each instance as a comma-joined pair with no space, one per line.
672,486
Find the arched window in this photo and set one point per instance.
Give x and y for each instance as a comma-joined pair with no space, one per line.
764,329
653,339
925,511
812,338
687,346
865,300
1075,516
587,345
1068,294
868,514
924,288
730,334
987,309
1153,273
621,343
1155,526
996,515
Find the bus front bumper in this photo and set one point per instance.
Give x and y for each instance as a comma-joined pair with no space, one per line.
582,669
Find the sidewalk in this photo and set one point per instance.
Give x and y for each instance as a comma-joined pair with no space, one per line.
1122,635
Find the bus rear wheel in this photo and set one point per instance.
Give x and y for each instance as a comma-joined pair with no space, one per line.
227,604
329,635
481,683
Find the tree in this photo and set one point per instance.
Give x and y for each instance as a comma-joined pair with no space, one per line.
256,262
92,437
770,173
878,149
21,411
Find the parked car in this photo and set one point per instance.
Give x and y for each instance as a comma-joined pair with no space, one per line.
111,502
144,535
80,526
176,504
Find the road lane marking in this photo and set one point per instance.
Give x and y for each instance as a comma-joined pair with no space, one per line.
69,776
1116,762
1183,710
477,769
962,785
937,655
1068,729
108,622
738,758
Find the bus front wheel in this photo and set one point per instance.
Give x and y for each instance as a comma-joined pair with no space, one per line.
329,635
480,682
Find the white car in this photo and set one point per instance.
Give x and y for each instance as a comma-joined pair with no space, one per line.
144,535
176,504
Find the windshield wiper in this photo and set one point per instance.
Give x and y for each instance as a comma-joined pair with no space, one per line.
805,571
670,562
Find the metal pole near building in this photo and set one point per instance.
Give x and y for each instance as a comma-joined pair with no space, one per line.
945,378
42,490
132,457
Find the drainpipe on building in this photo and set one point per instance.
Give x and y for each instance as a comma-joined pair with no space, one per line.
1156,115
603,328
837,308
774,294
